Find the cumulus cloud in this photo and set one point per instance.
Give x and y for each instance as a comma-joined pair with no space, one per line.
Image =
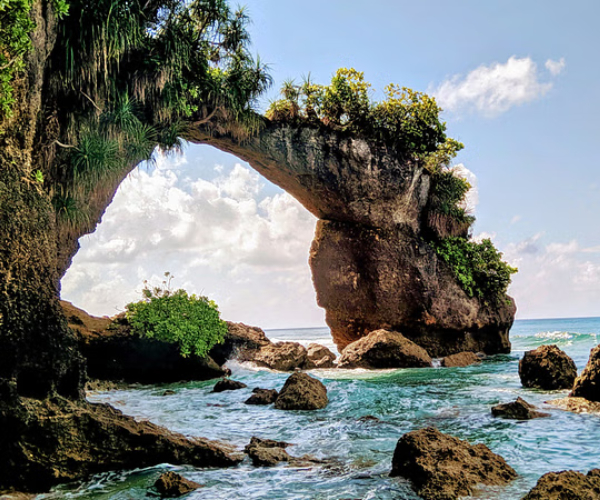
556,67
494,89
554,279
223,238
472,197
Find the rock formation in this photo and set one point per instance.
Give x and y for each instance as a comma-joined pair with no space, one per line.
548,368
282,356
383,349
587,385
302,392
442,467
320,357
262,397
227,384
517,410
460,359
267,452
567,484
172,485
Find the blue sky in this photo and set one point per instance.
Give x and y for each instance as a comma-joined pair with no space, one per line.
519,84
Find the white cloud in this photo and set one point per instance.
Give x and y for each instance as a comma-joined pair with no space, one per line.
557,279
556,67
515,219
222,238
494,89
472,197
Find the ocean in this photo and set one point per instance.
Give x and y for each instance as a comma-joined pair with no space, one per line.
456,400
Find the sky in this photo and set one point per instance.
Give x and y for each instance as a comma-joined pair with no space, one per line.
518,82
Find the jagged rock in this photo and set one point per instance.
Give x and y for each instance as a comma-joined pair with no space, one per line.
168,392
576,405
227,384
267,452
517,410
282,356
172,485
62,440
240,343
302,392
548,368
319,357
587,385
442,467
460,359
566,485
384,349
262,397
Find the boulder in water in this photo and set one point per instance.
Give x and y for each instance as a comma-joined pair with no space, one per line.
384,349
548,368
587,385
262,397
442,467
282,356
320,357
173,485
517,410
566,485
227,384
460,359
302,392
267,451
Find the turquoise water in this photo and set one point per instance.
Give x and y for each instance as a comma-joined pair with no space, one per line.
456,400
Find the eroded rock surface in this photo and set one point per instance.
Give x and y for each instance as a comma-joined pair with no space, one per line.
240,342
384,349
460,359
282,356
302,392
227,384
172,485
587,385
262,397
442,467
320,357
548,368
566,485
266,452
57,440
517,410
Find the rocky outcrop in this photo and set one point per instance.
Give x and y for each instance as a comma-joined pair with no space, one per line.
587,385
320,357
517,410
460,359
302,392
56,440
266,452
227,384
565,485
442,467
240,342
282,356
172,485
384,349
548,368
262,397
576,405
372,267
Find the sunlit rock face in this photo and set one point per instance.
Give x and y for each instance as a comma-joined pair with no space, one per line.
371,263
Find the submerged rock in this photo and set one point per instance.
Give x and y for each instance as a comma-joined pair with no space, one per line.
587,385
442,467
517,410
172,485
267,452
262,397
320,357
227,384
460,359
302,392
566,485
282,356
576,405
548,368
384,349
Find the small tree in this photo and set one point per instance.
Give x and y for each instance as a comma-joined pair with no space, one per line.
191,321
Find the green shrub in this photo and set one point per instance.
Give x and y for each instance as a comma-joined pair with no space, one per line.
190,321
478,267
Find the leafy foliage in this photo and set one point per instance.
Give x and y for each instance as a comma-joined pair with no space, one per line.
477,266
190,321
